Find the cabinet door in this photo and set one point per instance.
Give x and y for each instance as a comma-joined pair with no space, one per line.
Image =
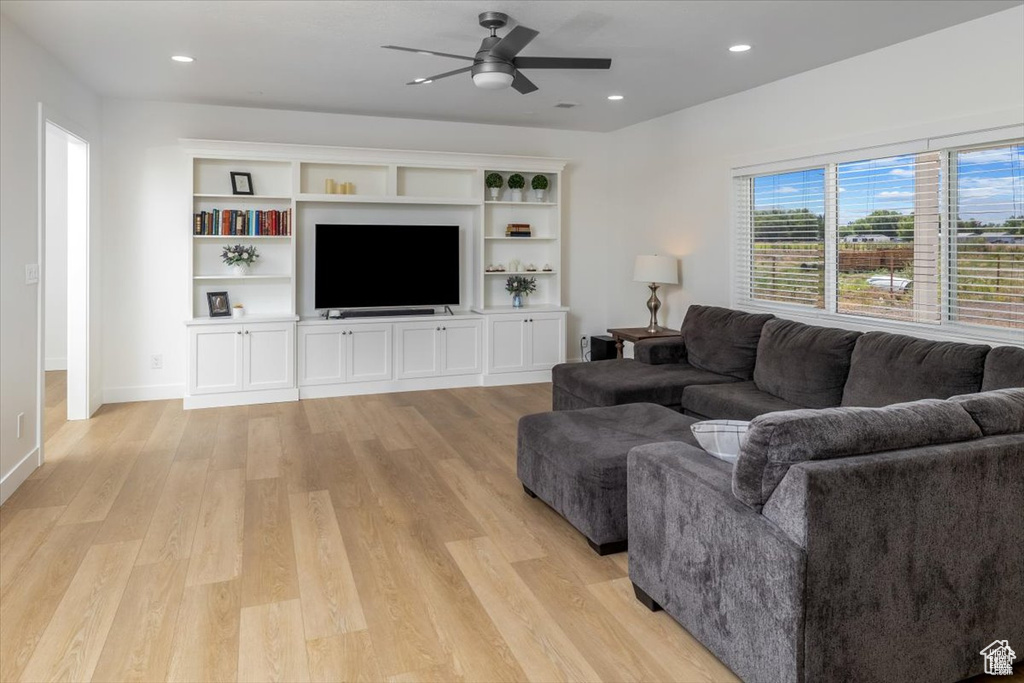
269,355
369,352
322,356
547,340
215,359
461,349
416,350
506,339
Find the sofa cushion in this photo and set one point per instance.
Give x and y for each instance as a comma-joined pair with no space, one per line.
892,368
659,350
1004,368
777,441
722,340
613,382
737,401
803,364
996,412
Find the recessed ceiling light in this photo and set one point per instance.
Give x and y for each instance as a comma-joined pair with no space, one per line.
184,59
425,82
739,48
419,80
615,98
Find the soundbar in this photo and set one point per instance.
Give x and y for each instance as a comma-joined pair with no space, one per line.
377,312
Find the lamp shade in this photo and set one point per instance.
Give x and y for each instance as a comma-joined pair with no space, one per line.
662,270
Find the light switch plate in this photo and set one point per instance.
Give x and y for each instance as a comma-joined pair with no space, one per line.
32,274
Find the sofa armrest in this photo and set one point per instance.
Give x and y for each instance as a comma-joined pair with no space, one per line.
660,350
727,574
906,550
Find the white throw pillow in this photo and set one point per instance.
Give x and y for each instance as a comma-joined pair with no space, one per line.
720,438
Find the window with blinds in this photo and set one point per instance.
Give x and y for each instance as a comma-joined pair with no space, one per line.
986,272
927,233
785,231
888,238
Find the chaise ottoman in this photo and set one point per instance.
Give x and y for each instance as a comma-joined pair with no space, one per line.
575,461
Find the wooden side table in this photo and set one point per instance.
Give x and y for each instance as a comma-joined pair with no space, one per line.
635,334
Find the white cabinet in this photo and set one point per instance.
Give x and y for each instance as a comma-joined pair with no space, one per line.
232,357
444,347
524,342
338,353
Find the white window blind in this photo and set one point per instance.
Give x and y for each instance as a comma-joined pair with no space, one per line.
888,237
986,200
782,229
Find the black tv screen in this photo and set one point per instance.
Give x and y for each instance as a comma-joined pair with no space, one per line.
374,266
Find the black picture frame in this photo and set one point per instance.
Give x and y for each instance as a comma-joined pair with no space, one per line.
220,305
241,183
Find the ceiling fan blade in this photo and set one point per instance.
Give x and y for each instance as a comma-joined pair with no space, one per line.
426,52
513,42
561,63
523,84
439,76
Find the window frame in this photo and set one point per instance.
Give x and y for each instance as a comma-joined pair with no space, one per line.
946,327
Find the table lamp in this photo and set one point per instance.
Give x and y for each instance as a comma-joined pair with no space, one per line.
655,270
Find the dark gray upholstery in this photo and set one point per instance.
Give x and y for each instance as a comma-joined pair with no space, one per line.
1004,368
660,350
996,412
915,558
727,574
614,382
802,364
892,368
722,340
575,461
777,441
737,401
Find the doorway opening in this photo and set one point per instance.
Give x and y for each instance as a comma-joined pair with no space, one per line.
65,305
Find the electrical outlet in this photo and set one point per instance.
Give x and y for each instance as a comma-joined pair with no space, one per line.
21,423
156,361
32,274
585,342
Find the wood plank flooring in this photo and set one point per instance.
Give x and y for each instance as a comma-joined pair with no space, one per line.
375,538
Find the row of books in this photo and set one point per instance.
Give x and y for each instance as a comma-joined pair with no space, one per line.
518,230
252,223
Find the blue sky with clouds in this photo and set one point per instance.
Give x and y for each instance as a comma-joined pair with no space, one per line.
990,186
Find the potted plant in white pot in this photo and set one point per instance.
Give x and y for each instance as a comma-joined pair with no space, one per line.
237,311
240,257
539,185
516,183
519,286
494,181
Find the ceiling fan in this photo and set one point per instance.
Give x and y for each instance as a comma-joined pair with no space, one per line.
496,64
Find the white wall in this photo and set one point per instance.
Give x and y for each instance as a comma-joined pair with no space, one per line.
28,75
55,333
673,180
147,205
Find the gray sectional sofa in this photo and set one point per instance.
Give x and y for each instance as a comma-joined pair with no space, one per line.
872,528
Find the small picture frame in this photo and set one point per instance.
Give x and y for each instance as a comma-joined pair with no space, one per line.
241,183
219,305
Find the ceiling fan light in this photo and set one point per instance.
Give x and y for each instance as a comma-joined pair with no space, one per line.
492,80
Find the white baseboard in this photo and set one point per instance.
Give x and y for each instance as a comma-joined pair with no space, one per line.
18,474
159,392
505,379
240,398
55,364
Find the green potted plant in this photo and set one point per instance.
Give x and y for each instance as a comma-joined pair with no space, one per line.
516,183
539,185
240,257
494,181
519,286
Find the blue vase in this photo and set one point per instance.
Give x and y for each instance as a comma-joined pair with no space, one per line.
517,301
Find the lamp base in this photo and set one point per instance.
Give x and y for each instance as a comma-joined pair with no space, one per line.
653,305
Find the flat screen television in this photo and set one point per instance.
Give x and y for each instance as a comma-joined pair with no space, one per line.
379,266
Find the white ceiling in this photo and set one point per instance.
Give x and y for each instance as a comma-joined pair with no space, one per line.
326,56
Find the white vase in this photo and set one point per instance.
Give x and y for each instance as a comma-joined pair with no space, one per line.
237,312
517,195
539,195
494,192
240,270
